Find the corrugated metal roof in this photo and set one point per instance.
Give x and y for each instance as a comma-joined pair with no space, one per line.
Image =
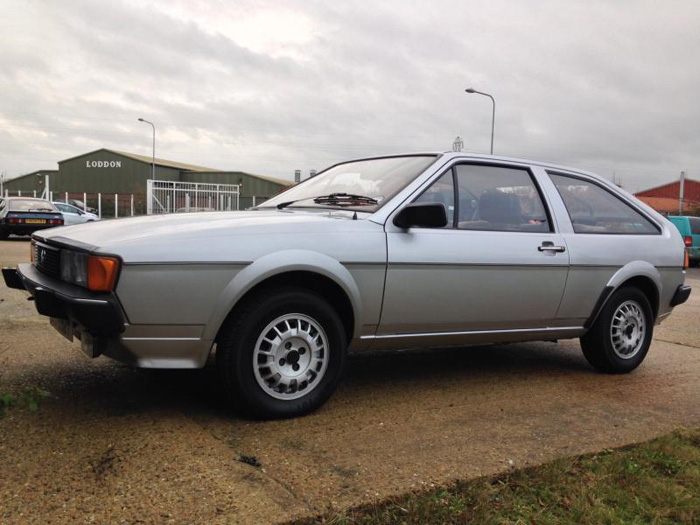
667,204
177,165
672,189
281,182
144,159
46,172
161,162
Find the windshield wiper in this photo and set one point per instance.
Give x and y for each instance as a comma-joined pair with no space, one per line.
349,198
335,198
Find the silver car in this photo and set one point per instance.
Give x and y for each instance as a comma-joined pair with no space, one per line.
424,250
73,215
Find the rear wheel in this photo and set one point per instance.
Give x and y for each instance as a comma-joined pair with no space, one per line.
620,338
4,234
281,354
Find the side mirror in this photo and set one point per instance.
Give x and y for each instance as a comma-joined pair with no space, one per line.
422,215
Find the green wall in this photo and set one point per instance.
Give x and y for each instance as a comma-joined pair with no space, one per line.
129,176
30,182
250,185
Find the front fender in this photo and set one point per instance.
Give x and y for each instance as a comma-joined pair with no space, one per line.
278,263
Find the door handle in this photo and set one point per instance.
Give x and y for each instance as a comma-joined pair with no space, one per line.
548,246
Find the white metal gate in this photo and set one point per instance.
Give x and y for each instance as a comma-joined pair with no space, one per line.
164,196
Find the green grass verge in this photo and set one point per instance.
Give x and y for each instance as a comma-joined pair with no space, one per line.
653,482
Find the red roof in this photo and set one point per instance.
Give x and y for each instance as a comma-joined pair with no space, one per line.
691,190
667,204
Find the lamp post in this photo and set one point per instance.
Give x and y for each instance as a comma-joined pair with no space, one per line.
493,114
153,171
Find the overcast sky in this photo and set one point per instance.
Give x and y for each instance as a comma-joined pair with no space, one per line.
271,86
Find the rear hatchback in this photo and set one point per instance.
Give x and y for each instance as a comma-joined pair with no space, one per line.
690,230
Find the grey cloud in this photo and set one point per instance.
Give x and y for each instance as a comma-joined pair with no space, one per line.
602,85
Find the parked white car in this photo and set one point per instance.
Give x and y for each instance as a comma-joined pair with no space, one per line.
73,215
424,250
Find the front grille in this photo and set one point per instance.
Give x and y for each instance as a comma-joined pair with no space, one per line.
47,260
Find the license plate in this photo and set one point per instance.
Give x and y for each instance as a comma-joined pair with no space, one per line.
35,221
63,327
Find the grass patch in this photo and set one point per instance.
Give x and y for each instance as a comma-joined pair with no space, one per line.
653,482
30,398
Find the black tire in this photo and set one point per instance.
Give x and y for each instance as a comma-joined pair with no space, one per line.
4,235
236,348
598,345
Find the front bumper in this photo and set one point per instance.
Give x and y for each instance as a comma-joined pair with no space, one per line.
98,314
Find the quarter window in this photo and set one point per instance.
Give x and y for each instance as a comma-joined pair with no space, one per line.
593,209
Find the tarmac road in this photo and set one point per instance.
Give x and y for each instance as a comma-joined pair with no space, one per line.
116,444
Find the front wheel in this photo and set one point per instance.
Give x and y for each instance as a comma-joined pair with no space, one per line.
620,338
281,354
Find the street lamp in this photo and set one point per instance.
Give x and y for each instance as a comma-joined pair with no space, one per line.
153,172
493,114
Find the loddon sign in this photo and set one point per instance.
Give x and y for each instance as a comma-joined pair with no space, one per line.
103,163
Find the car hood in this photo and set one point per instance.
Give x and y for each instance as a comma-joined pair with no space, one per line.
178,227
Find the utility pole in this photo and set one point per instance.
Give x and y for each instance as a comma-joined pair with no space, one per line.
680,193
153,172
493,113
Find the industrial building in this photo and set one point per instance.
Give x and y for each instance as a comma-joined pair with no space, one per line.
667,197
109,172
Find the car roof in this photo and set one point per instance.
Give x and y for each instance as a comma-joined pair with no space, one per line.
463,155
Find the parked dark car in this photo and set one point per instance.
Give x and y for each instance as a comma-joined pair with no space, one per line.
80,204
24,216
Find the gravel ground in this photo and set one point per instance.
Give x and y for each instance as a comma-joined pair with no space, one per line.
115,444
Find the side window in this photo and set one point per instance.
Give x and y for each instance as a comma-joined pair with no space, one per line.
595,210
694,225
442,191
498,199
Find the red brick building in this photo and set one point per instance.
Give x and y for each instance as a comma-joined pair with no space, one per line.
665,198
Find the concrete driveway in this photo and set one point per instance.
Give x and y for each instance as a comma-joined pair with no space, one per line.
115,444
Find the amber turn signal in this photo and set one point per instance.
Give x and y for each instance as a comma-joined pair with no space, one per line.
686,260
102,273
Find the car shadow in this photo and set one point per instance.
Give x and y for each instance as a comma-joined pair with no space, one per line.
115,390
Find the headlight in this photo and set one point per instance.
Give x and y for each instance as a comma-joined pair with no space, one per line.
93,272
74,267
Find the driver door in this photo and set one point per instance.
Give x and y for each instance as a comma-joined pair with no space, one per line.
499,265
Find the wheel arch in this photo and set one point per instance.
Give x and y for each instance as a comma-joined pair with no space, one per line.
641,275
311,270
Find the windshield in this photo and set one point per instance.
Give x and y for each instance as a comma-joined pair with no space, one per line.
31,205
364,184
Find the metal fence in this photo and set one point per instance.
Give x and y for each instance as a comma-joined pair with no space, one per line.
164,196
104,205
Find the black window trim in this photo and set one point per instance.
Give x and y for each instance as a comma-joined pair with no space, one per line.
584,178
455,218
